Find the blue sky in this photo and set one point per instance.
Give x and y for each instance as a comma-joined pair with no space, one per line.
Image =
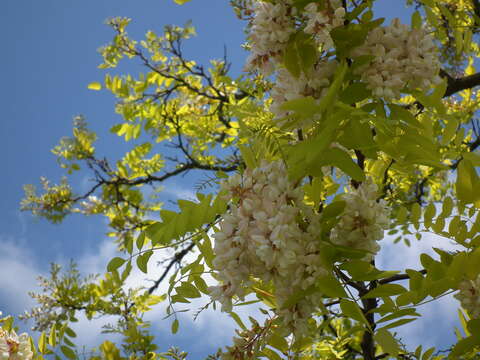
50,55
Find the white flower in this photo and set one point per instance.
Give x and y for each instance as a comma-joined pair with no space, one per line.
261,238
287,87
403,58
14,347
321,19
363,221
270,30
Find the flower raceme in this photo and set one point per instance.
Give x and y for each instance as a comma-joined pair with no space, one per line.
268,234
403,58
271,235
364,219
273,24
271,27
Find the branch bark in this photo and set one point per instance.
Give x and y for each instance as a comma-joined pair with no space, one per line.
455,85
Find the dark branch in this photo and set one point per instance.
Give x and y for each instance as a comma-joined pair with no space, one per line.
455,85
398,277
175,260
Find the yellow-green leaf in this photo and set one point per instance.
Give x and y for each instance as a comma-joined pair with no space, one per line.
388,343
95,86
115,263
175,325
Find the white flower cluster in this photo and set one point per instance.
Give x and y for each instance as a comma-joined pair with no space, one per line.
271,27
288,87
403,58
469,296
268,234
363,221
321,21
13,346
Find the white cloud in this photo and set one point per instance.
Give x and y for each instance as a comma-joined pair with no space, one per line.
178,192
89,332
19,275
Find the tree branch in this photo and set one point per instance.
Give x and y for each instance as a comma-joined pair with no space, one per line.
399,277
175,260
455,85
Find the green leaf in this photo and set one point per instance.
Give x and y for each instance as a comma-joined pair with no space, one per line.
142,261
278,342
465,345
428,354
191,218
468,183
175,325
248,156
52,338
140,240
397,314
95,86
300,54
68,352
304,107
415,213
340,159
201,284
270,354
42,343
238,320
348,37
352,310
385,290
115,263
388,343
416,20
331,287
188,290
358,135
354,93
334,209
447,206
428,215
327,101
70,332
474,326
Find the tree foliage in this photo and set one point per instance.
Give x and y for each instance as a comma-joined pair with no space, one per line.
312,102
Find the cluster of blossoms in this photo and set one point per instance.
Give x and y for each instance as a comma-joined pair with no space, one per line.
321,21
363,221
469,296
288,87
403,58
271,27
13,346
268,234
